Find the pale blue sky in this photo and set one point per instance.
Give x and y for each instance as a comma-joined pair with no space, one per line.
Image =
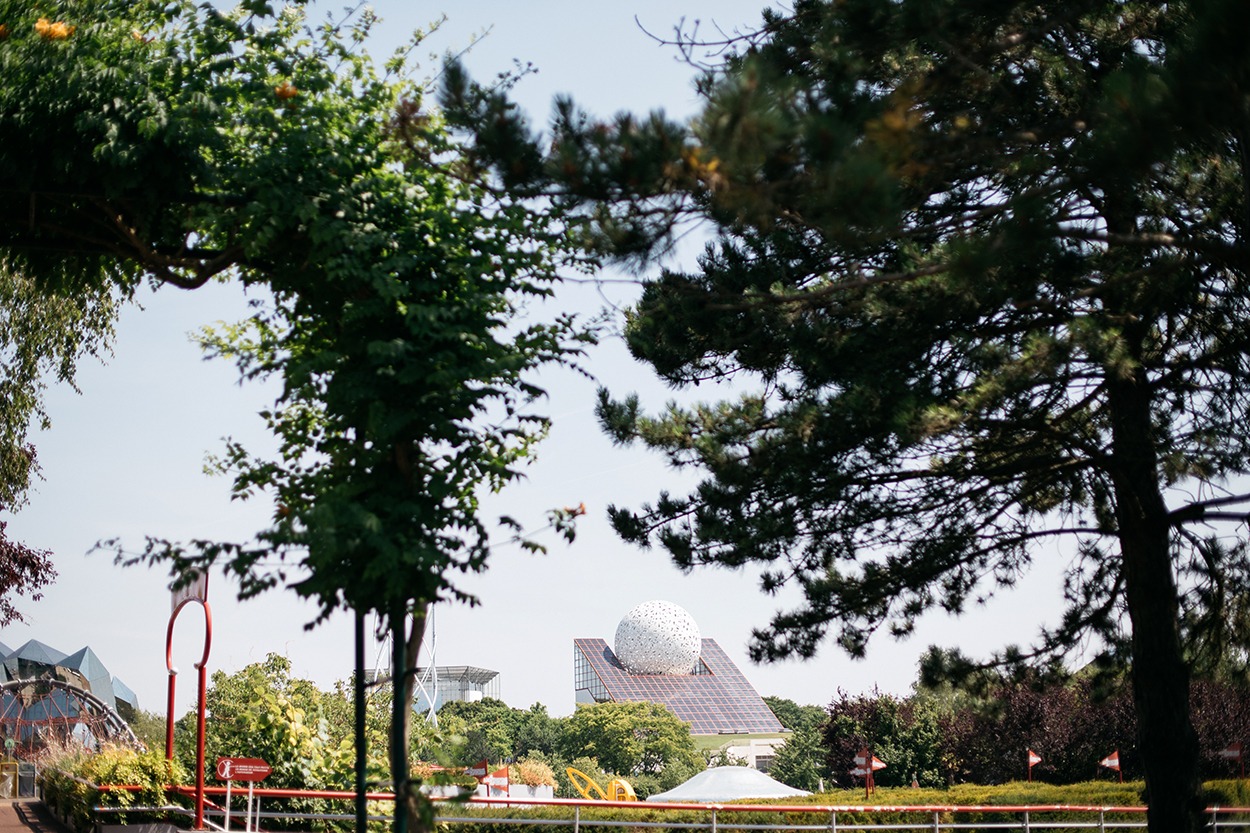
124,458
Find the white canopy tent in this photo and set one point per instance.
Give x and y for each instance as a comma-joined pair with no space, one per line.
727,783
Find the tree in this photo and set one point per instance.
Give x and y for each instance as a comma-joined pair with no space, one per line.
183,144
795,717
983,269
801,761
488,727
630,738
904,734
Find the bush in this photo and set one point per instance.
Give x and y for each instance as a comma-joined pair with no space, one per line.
532,772
62,778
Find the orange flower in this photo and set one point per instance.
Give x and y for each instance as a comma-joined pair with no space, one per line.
285,90
53,31
4,32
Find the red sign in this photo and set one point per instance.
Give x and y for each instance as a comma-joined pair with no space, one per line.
497,780
1034,758
242,769
1112,761
1232,752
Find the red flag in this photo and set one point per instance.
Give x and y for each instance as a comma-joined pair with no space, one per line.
1034,758
479,769
1112,761
877,763
1231,752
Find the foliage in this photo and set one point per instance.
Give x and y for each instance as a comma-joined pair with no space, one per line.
802,761
631,738
532,771
186,144
1073,724
795,717
24,571
487,727
905,734
536,732
980,270
68,783
261,711
149,728
585,764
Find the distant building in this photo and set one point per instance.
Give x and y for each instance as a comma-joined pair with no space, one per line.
441,684
46,694
660,657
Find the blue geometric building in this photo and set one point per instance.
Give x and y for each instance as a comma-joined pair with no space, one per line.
47,695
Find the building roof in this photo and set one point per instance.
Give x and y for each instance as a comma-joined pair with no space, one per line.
97,678
715,700
728,783
463,673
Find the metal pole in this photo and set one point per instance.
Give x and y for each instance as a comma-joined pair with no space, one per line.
169,713
199,746
833,821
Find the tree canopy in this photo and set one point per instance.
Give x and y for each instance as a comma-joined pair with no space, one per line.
631,738
982,268
179,143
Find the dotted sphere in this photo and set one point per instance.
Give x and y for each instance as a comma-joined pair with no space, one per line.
658,638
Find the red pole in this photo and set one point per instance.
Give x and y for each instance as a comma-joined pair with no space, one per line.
202,665
199,746
169,716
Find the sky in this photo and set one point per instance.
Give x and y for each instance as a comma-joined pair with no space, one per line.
125,456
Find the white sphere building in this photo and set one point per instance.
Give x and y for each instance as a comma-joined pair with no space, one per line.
660,656
658,637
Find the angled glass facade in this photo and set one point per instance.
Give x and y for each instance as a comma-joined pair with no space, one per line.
46,694
715,700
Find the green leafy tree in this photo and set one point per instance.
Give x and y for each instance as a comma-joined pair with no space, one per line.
180,143
536,732
802,761
631,738
487,728
262,711
981,270
795,717
905,735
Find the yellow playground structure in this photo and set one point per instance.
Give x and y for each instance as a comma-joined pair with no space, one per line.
618,788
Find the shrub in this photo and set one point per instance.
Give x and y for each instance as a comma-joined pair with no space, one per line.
533,772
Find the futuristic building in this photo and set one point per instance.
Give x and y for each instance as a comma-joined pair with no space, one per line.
661,657
46,695
441,684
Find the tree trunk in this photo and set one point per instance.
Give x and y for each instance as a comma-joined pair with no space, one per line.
413,812
1166,737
